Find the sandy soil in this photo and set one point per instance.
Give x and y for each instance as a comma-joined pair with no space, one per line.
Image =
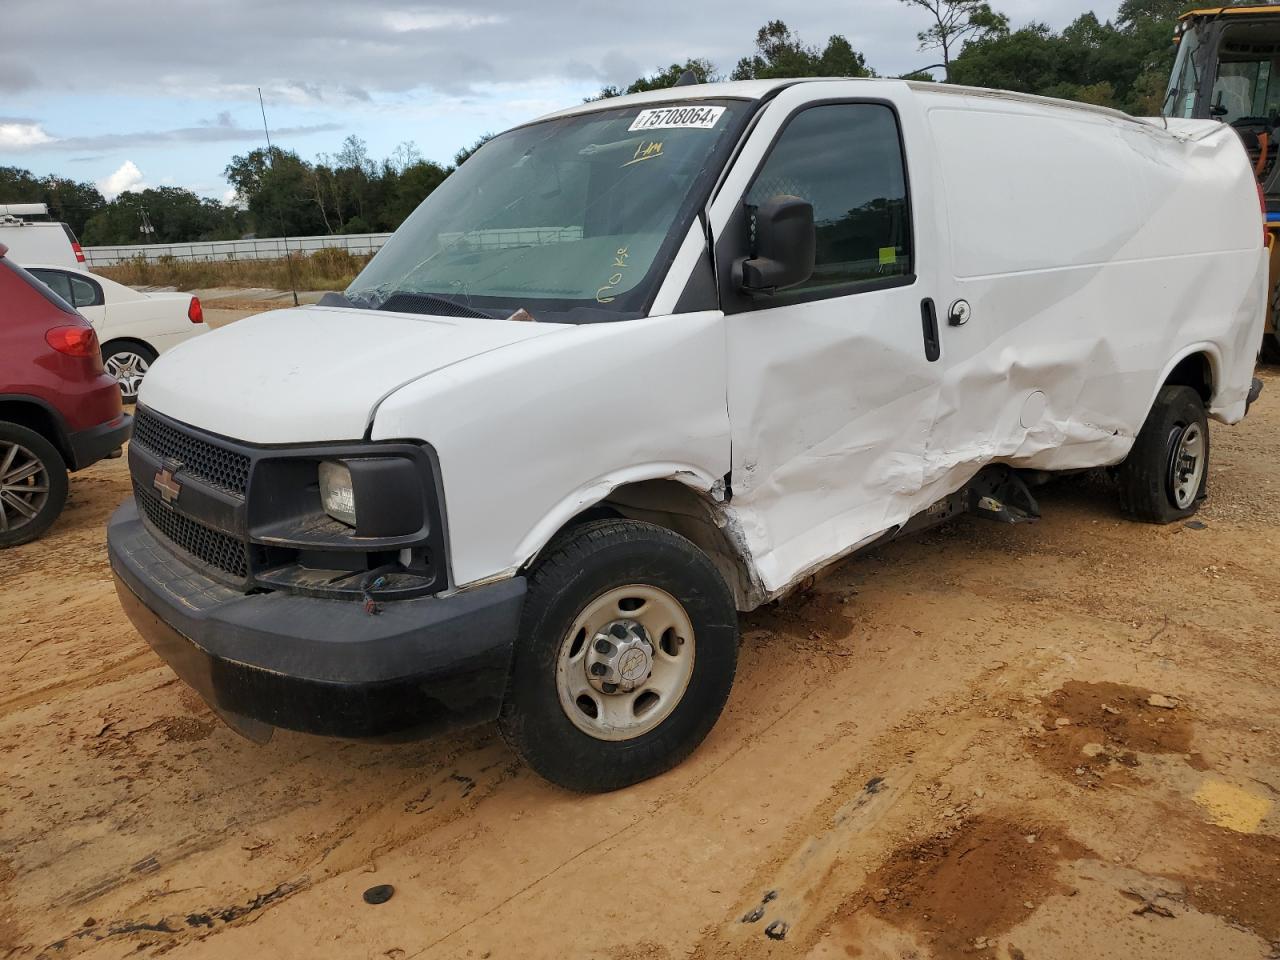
1045,742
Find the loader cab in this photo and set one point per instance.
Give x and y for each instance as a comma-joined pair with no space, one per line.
1228,69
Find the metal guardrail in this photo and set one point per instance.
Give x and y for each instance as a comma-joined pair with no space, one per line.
265,249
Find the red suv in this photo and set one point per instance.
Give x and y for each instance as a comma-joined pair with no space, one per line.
58,410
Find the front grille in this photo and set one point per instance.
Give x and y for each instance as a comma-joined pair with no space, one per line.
201,458
207,545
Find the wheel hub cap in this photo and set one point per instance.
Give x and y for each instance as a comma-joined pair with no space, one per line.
625,662
128,370
1186,465
620,658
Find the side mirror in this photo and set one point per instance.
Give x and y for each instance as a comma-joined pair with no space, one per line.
785,247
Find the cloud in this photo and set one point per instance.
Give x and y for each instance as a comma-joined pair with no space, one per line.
20,133
14,76
27,134
223,119
305,52
127,177
406,21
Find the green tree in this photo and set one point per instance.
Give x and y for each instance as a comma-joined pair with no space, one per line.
703,71
461,156
780,53
278,189
1124,64
68,200
415,184
177,216
954,23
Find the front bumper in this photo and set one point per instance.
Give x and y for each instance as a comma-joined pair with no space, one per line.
90,446
322,666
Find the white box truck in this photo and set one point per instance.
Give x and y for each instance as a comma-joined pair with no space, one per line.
650,361
41,241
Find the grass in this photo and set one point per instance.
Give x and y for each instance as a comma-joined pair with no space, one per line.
328,269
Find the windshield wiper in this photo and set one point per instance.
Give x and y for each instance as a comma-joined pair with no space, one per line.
334,299
429,303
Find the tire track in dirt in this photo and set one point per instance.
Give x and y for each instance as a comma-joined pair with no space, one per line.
116,670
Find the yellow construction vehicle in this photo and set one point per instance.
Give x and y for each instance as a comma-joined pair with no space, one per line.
1228,69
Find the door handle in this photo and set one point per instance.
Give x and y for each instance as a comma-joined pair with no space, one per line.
929,321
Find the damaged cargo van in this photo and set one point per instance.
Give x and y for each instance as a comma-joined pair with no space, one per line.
650,361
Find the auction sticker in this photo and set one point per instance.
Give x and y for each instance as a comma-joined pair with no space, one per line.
674,118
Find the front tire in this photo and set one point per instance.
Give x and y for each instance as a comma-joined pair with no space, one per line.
128,362
627,650
1166,474
33,484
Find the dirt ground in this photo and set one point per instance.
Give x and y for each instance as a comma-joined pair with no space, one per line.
1044,742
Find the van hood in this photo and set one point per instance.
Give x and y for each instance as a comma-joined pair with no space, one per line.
313,374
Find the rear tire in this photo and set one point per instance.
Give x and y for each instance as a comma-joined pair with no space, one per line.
1166,474
128,362
33,484
1270,352
627,650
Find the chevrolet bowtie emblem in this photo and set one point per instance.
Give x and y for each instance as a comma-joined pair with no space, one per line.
166,486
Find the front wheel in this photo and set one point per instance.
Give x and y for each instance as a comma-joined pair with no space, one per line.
128,362
1166,474
626,655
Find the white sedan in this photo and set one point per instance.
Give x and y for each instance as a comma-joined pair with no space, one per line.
133,328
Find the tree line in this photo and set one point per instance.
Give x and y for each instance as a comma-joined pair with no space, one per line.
1123,63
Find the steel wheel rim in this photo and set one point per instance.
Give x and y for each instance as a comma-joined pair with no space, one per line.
652,658
128,369
24,486
1186,464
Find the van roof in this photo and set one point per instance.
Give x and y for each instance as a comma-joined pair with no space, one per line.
756,89
732,90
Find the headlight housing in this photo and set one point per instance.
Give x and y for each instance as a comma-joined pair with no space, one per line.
337,492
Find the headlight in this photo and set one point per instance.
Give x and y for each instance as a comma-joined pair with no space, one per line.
337,495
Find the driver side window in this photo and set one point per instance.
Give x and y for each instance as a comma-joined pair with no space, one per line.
846,160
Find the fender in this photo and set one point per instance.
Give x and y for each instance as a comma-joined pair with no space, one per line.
597,490
1215,369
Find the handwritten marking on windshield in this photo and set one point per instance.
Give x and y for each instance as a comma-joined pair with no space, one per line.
648,150
620,264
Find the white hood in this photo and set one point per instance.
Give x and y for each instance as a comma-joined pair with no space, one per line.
312,374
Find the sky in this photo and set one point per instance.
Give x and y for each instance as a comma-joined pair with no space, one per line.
135,93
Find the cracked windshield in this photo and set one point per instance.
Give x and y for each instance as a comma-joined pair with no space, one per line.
564,219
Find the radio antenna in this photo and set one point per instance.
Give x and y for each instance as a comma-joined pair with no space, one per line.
284,234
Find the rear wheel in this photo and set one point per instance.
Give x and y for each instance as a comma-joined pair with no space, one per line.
1166,474
128,362
627,651
1270,352
33,484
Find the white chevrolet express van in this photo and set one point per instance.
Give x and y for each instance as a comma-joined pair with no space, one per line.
650,361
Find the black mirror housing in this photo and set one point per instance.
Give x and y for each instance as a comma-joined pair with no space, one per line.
785,247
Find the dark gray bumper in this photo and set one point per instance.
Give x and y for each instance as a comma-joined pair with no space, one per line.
316,665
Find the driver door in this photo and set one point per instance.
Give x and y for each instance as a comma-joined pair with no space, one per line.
832,383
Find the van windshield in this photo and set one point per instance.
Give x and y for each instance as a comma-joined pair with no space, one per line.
573,220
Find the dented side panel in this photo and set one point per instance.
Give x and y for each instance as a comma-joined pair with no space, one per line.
1093,252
